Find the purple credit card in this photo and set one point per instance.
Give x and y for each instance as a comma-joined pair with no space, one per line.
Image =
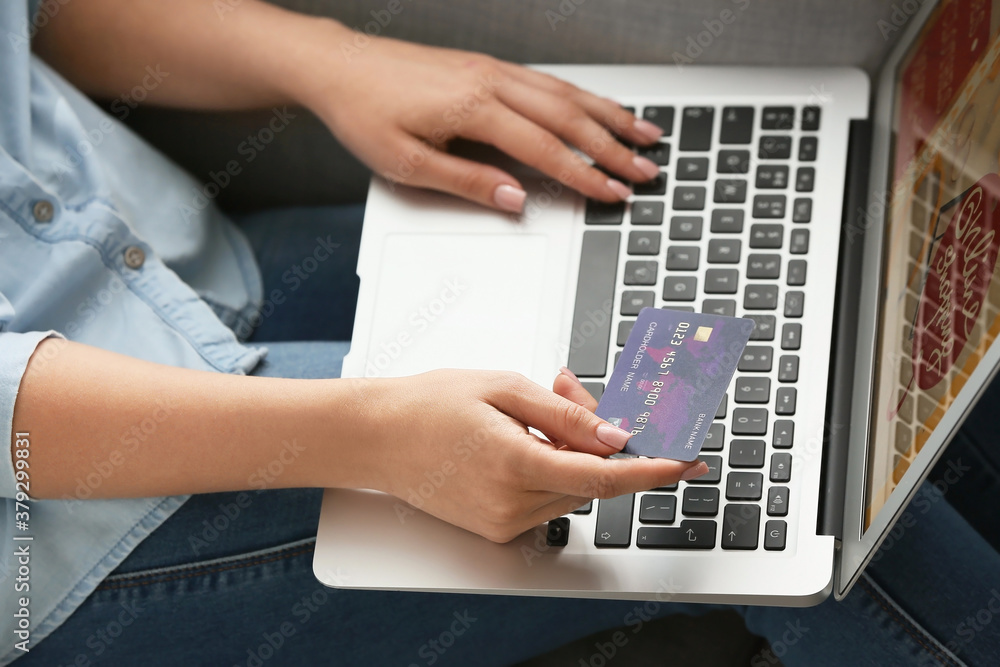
670,379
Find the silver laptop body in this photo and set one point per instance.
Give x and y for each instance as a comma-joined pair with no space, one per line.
780,221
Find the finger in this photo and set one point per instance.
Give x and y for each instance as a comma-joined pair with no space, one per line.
556,509
571,122
560,419
606,111
535,146
481,183
578,474
568,385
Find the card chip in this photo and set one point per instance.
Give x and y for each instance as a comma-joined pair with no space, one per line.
702,333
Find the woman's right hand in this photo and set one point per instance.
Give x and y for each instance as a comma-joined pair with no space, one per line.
456,444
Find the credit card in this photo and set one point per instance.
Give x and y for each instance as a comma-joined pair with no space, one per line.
670,379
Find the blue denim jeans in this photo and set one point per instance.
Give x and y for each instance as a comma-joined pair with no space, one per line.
228,579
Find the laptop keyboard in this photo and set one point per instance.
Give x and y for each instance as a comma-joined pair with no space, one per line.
731,237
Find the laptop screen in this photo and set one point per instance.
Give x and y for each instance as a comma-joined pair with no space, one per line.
940,304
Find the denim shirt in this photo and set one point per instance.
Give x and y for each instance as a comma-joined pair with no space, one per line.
104,242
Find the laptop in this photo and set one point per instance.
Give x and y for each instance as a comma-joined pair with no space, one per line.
860,238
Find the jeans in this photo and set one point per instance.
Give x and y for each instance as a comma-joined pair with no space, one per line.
228,579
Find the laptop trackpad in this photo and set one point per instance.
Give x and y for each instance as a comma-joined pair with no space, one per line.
458,301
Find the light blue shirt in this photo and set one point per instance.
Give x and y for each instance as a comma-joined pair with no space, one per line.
104,242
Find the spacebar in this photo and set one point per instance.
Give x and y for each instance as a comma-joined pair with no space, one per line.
595,297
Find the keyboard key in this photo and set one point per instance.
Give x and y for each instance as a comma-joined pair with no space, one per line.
769,206
774,535
723,307
714,473
740,526
737,125
744,486
772,177
775,147
760,297
781,467
777,118
798,243
810,119
624,329
634,301
657,186
749,421
807,149
777,501
784,401
595,291
690,534
796,272
683,257
727,221
802,210
733,161
679,288
669,487
721,281
763,327
763,266
614,521
720,412
644,243
640,272
659,153
752,390
791,336
794,304
663,117
557,534
730,191
692,169
586,509
689,198
600,213
766,235
756,358
724,251
647,213
596,389
700,501
696,128
747,453
685,228
805,179
784,434
788,367
715,439
657,508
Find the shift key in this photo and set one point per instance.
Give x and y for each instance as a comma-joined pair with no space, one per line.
614,521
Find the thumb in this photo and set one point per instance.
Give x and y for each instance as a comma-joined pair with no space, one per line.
561,419
470,180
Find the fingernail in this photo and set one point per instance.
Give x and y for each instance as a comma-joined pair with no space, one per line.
509,198
646,166
612,436
649,130
695,471
619,189
570,374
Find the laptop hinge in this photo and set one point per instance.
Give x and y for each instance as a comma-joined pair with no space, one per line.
845,329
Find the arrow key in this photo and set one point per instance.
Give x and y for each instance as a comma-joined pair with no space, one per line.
740,526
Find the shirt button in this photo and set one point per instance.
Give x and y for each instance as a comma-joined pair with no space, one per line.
43,210
134,257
